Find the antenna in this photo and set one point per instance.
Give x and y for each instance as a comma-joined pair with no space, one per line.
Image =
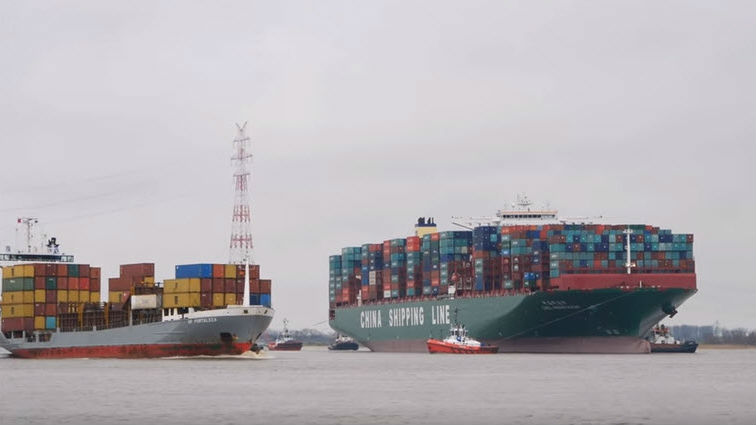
241,233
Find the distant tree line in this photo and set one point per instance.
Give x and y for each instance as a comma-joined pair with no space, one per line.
307,336
714,334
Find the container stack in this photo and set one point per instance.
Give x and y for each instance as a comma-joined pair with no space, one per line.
486,258
431,257
371,271
414,266
35,294
394,268
334,280
516,257
210,286
351,280
134,279
455,267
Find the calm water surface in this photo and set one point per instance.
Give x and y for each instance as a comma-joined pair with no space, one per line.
321,387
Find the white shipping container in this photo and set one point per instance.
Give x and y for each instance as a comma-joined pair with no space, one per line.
141,302
387,294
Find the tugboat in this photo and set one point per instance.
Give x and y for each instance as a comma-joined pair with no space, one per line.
459,343
662,342
285,342
343,343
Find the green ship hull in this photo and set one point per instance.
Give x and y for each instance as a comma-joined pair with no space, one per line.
597,321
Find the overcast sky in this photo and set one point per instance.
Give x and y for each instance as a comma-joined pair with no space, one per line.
117,120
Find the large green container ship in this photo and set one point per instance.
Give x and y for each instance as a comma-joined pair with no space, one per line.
544,286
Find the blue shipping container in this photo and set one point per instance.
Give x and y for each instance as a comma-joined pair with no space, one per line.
50,322
265,300
194,270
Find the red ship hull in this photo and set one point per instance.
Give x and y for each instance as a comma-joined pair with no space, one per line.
135,351
436,346
286,346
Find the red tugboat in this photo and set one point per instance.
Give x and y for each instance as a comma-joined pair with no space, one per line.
459,343
285,342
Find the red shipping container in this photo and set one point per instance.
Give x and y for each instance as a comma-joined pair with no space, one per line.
51,297
265,286
51,309
254,286
94,272
219,271
118,284
40,269
206,299
94,284
62,270
39,282
138,270
239,285
218,286
39,309
51,270
240,270
18,324
84,283
73,282
206,286
254,271
62,282
229,286
84,270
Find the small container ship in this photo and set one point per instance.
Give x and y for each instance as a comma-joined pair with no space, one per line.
52,308
524,281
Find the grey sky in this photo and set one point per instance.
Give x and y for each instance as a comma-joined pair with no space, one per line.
117,121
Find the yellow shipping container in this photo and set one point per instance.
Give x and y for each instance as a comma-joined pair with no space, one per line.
28,297
230,271
230,299
62,296
83,296
13,297
39,295
39,322
194,284
73,296
172,286
94,297
27,270
18,310
8,272
218,300
149,279
184,299
115,297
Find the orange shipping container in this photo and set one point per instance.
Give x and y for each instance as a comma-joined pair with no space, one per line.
219,270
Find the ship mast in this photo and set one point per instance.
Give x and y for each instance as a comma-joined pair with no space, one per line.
628,263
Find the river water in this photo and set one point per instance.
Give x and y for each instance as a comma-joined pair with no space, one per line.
321,387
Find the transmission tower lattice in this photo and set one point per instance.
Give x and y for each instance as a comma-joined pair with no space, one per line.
241,221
